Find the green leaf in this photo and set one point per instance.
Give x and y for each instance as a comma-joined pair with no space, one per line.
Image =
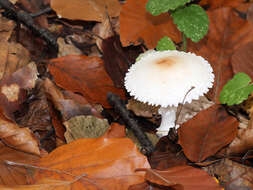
156,7
236,90
165,43
192,21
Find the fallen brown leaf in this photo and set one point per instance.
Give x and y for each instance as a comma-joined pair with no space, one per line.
89,10
207,133
85,75
109,163
137,25
166,155
228,32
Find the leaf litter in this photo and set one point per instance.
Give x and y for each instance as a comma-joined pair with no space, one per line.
209,137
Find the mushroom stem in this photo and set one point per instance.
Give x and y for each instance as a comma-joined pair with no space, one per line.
168,120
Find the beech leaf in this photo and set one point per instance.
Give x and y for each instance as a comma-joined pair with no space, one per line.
83,74
207,132
109,163
192,21
236,90
156,7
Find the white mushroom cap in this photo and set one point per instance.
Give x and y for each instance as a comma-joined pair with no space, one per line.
164,78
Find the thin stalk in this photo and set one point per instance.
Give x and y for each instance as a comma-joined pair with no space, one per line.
184,42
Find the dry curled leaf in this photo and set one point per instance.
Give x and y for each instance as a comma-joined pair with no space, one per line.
89,10
13,89
137,25
18,138
233,175
207,132
85,75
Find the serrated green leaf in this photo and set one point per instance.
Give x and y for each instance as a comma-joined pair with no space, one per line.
156,7
192,21
236,90
165,43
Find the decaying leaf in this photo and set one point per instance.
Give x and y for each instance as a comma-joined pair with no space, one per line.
207,133
85,127
233,175
222,40
68,103
89,10
109,163
85,75
143,25
13,88
141,109
182,177
243,141
67,49
18,138
14,175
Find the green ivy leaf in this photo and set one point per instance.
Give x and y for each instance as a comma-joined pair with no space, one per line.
165,43
156,7
236,90
192,21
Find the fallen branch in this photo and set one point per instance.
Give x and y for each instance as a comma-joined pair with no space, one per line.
119,107
26,19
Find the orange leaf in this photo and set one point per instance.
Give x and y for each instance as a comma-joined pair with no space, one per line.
89,10
13,175
227,34
109,163
85,75
19,138
137,25
207,132
182,178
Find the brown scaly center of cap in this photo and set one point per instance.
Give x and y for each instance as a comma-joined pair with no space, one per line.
167,61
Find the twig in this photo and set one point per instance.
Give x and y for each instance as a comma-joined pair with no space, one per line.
120,108
26,19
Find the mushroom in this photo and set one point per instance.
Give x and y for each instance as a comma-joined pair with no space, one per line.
167,78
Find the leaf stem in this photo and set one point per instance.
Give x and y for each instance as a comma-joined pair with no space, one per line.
184,42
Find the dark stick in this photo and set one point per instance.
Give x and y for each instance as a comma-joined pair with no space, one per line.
26,19
120,108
